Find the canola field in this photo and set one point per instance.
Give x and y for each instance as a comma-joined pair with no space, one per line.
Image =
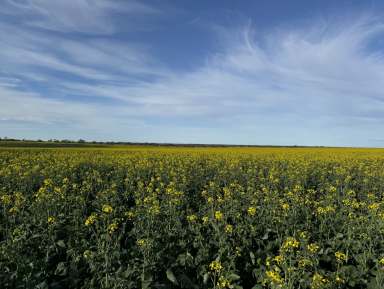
146,217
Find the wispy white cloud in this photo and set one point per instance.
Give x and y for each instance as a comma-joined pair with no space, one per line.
316,71
94,17
307,84
25,51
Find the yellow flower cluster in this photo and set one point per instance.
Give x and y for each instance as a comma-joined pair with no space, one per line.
129,215
215,266
303,263
6,199
219,215
279,259
192,218
251,211
318,281
91,219
341,257
51,220
107,209
339,280
229,229
285,206
325,210
112,227
381,261
313,248
223,282
141,242
87,254
274,277
290,244
303,234
374,206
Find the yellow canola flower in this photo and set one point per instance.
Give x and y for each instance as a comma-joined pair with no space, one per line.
285,206
251,211
374,206
290,244
229,229
318,281
5,199
303,235
141,242
219,215
87,254
129,215
223,282
381,261
191,218
215,266
51,220
325,210
339,280
305,263
112,227
13,210
341,257
278,259
313,248
91,219
107,209
154,209
274,277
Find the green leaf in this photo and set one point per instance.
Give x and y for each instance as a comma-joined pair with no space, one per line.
146,280
252,257
42,285
233,277
185,282
171,277
265,237
60,243
205,278
61,269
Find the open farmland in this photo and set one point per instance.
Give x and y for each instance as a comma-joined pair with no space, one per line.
146,217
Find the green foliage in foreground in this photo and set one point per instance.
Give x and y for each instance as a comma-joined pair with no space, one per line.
262,218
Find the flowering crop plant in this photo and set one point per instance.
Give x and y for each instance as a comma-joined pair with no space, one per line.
173,217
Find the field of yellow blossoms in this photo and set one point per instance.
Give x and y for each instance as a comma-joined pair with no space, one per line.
142,217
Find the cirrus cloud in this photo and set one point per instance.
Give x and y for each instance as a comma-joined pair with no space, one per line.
316,83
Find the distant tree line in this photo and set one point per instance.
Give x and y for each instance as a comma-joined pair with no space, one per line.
82,142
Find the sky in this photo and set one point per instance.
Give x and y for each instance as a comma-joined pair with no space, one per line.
220,72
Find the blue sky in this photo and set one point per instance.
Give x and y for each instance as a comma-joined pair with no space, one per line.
233,72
